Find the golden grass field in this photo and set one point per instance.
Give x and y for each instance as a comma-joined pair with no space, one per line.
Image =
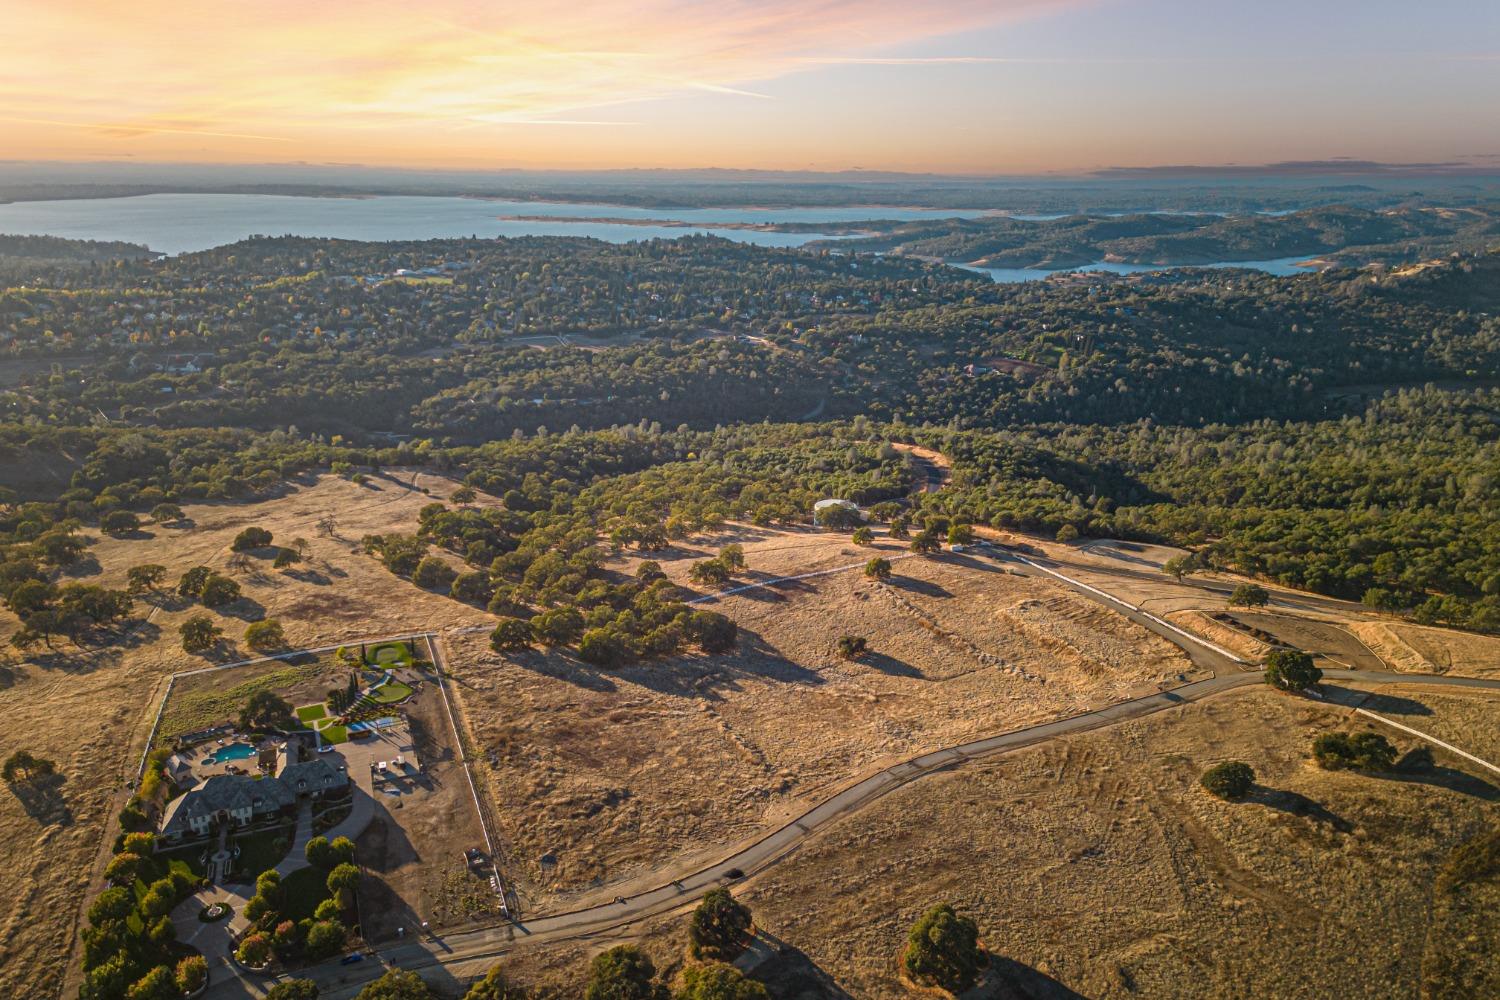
1095,866
625,777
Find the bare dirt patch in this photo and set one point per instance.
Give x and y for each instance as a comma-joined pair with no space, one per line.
1421,649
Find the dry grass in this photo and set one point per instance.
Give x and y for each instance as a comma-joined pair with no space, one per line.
628,776
1421,649
90,712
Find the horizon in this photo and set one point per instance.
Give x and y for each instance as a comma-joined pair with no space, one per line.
1019,89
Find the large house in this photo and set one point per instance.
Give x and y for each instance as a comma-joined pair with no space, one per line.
239,799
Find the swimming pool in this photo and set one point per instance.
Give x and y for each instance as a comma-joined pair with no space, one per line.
234,751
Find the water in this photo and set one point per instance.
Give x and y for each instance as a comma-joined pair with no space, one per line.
182,223
234,751
1281,266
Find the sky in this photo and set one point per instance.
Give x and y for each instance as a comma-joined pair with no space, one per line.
957,86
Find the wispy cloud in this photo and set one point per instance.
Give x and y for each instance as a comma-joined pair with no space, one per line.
901,60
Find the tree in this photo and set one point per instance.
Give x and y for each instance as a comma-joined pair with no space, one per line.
961,534
463,496
285,558
603,648
191,973
342,850
852,647
1067,533
343,882
266,710
1355,751
396,984
219,591
251,538
158,984
254,951
319,853
140,579
494,987
862,536
293,989
473,587
162,513
718,981
943,950
143,844
926,542
23,767
1249,595
510,635
199,634
191,583
709,571
325,938
713,632
119,522
878,569
123,869
1291,670
111,904
1231,779
557,627
624,972
649,572
433,573
265,636
733,556
720,926
1181,566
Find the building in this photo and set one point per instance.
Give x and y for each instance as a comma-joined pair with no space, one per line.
240,799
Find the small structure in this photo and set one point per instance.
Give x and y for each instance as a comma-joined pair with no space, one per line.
834,512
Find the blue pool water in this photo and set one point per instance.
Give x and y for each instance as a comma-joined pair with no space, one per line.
234,751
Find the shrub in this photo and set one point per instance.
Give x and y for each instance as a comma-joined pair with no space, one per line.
943,950
862,536
1357,751
1291,670
265,636
720,926
251,538
1232,779
293,989
852,647
879,569
164,512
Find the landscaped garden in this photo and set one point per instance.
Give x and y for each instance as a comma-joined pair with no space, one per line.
262,850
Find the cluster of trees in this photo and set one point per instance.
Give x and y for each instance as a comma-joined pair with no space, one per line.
274,933
129,938
1364,751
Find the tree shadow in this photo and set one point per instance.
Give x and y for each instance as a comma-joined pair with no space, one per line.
1419,767
1395,705
79,660
1013,979
43,801
246,609
310,576
890,665
924,587
1297,804
561,667
789,974
84,565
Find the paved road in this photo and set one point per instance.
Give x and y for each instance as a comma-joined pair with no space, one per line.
337,982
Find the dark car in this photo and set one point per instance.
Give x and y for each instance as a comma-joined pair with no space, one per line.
351,959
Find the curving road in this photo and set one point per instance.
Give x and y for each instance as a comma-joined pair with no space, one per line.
337,982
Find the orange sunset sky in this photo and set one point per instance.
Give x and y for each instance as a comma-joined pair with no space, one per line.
999,86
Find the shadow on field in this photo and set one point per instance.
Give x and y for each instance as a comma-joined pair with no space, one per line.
1014,979
43,801
1418,767
789,973
1297,804
890,665
924,587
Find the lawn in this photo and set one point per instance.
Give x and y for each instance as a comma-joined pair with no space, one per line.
334,734
390,692
304,889
311,713
260,851
187,859
389,654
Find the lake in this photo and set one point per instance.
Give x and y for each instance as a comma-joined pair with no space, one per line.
183,223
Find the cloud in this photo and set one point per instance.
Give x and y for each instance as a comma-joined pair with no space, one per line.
287,69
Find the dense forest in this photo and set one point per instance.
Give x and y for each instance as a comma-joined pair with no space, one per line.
1333,431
